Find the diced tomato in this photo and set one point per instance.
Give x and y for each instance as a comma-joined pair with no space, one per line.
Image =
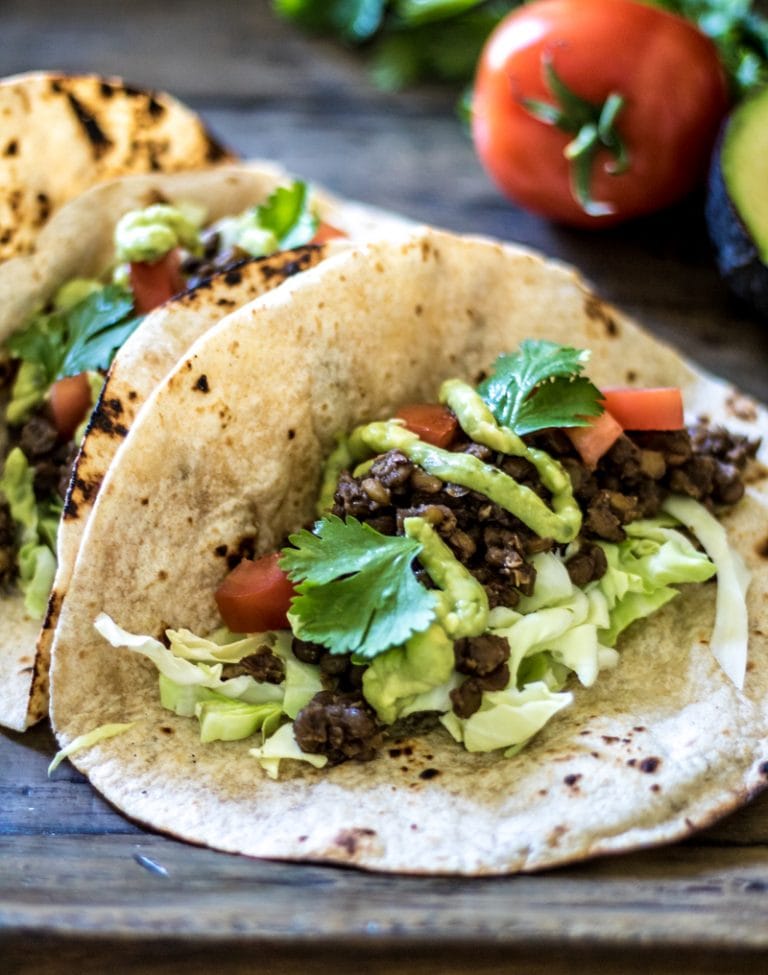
70,401
326,232
153,283
658,408
255,596
596,439
435,424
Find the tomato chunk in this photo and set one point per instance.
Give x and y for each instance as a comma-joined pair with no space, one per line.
596,439
255,596
658,408
70,402
326,232
435,424
153,283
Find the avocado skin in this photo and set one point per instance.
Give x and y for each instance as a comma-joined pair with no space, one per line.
737,257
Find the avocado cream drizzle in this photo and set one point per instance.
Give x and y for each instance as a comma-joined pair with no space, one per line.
462,601
562,522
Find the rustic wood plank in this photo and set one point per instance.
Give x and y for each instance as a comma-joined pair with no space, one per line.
119,887
183,956
229,50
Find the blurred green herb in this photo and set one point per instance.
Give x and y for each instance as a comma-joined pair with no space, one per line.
738,30
408,41
411,41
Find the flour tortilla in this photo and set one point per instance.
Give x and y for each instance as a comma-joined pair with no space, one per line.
78,242
659,747
61,134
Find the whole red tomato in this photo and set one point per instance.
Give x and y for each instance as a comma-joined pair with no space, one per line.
636,94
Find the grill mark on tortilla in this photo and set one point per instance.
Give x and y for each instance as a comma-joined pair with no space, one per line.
43,208
762,548
349,839
596,310
287,269
87,489
51,611
572,778
201,384
96,135
12,148
215,151
650,764
155,108
429,773
244,549
105,416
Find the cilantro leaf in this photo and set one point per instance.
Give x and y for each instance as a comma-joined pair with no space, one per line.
84,337
97,327
356,588
540,386
288,215
43,341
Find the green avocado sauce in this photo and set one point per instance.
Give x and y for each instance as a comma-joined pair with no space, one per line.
149,234
462,605
561,522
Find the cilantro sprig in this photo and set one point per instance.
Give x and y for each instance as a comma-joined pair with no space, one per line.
541,386
288,214
356,588
81,338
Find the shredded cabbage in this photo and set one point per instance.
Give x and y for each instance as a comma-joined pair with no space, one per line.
507,719
282,744
90,738
730,635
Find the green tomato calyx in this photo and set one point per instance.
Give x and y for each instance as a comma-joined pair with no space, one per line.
594,128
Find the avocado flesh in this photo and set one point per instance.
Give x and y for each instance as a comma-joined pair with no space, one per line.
744,162
737,201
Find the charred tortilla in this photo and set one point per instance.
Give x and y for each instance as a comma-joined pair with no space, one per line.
78,242
61,134
663,745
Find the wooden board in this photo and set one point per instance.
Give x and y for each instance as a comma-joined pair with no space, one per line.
81,888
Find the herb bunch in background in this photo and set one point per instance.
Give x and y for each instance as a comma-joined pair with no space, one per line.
407,41
411,41
739,31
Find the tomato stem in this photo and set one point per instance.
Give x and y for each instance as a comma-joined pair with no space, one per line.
594,128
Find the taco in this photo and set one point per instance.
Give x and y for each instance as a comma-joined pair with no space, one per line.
95,129
78,302
650,733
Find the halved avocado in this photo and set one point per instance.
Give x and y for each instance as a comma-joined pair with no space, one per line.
737,201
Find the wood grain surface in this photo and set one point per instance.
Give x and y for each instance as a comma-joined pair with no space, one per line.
81,888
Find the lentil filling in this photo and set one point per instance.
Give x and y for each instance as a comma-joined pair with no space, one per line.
630,482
